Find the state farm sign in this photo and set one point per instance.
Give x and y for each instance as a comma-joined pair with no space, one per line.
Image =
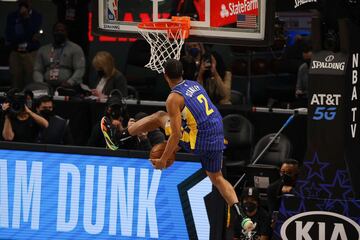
225,12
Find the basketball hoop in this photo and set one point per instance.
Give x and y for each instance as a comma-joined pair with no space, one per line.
165,39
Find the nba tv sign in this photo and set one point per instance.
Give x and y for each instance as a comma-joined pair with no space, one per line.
320,225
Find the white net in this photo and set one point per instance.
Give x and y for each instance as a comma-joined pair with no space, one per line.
164,45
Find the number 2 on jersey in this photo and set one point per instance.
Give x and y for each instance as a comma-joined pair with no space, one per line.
202,99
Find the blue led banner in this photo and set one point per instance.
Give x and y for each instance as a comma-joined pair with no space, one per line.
72,196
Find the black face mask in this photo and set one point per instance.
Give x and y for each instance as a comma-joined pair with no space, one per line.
101,73
287,180
194,52
46,113
249,207
59,38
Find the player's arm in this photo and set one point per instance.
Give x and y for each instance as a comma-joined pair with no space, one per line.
174,104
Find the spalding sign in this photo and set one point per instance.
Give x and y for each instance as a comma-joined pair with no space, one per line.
320,225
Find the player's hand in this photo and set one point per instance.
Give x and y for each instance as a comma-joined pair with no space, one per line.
158,163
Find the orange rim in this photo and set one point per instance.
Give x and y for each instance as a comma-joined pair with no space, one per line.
172,26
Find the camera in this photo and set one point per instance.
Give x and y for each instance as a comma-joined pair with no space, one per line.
207,60
17,102
116,105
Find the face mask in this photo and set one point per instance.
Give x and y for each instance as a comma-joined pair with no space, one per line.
59,38
46,113
101,73
249,207
287,180
194,52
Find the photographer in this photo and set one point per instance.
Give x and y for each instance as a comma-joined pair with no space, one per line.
117,119
213,77
20,123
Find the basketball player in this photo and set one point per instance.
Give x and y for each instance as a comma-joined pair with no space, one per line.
193,123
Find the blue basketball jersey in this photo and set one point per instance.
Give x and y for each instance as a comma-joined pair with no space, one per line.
201,121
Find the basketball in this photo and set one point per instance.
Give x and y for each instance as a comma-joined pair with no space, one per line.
157,151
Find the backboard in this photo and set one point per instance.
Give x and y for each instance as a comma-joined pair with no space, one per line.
235,22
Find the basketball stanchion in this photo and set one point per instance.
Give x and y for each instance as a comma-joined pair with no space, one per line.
288,121
166,39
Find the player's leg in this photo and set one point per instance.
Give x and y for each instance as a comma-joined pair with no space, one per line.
225,188
228,193
149,123
212,163
113,136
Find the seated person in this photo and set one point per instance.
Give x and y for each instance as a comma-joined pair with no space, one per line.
20,124
117,117
213,77
250,203
58,131
285,185
61,63
108,77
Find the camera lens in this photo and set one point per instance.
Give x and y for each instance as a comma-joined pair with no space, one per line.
207,60
17,103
